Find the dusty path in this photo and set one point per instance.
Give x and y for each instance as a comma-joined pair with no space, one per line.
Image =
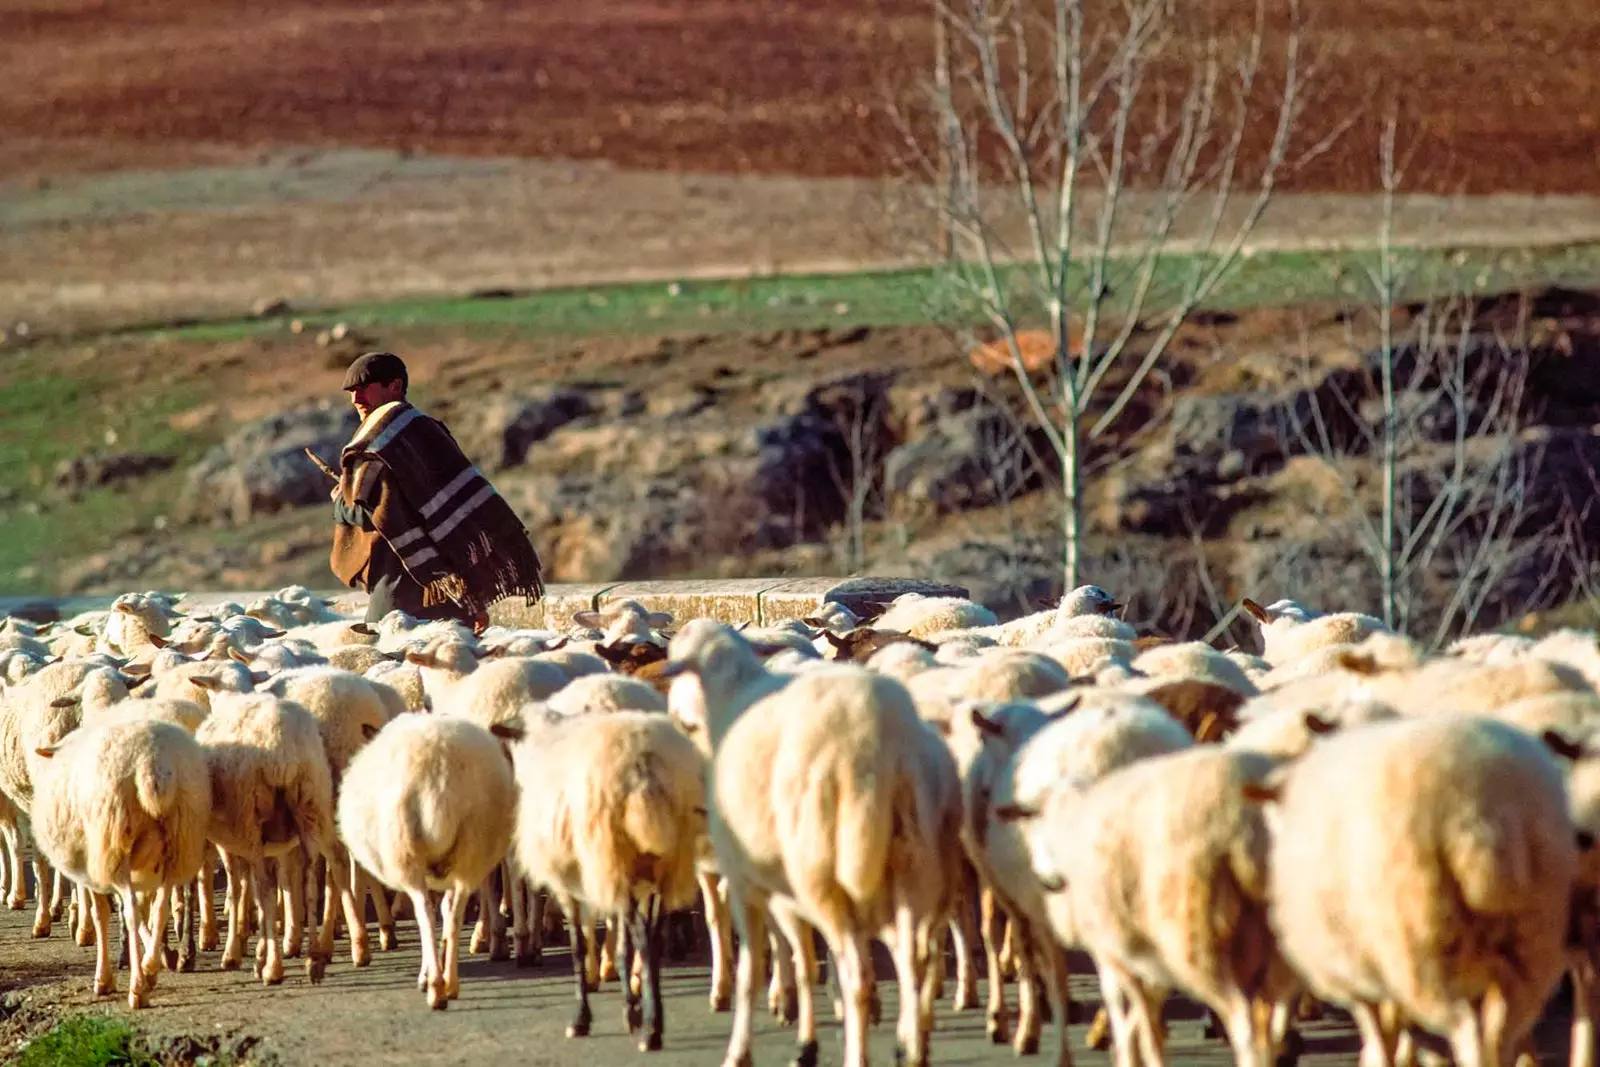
377,1016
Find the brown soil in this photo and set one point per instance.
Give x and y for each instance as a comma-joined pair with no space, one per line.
1506,93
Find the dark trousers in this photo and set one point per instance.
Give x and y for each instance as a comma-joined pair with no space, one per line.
390,586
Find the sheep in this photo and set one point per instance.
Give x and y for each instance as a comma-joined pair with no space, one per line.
134,619
572,660
403,678
1423,867
1374,654
832,615
1011,675
1082,612
429,803
863,642
601,693
1290,630
1139,855
625,618
13,883
1489,648
1470,688
1194,659
1578,649
349,710
1289,731
123,807
611,816
358,659
31,718
800,786
1084,657
920,616
195,681
1024,754
486,691
272,791
901,660
1208,709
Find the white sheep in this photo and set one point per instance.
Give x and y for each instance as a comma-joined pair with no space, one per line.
272,792
605,693
1289,630
611,816
429,803
800,784
1161,871
1081,612
1423,867
625,619
920,615
487,691
123,807
1194,659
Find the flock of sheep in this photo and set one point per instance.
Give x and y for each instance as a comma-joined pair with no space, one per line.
1344,819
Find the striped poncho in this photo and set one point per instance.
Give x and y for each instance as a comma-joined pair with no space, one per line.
453,532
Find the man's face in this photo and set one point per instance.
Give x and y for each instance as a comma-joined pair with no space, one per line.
368,398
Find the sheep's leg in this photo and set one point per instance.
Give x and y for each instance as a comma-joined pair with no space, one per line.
1054,960
186,929
11,877
355,911
912,1048
205,885
1377,1040
750,921
1583,1009
453,911
851,955
494,896
338,888
721,935
58,896
798,934
269,954
629,949
1029,1023
963,932
989,924
367,884
646,937
233,950
608,951
783,998
292,871
524,927
105,975
431,979
139,983
161,909
179,908
579,1027
82,919
591,948
41,886
480,928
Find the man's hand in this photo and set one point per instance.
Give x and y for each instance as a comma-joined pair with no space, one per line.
480,618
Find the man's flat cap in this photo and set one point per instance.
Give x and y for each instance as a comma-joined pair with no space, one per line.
374,367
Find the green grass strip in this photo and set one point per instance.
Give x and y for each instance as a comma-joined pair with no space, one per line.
927,295
86,1041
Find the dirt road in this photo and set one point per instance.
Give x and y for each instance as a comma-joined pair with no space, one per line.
377,1016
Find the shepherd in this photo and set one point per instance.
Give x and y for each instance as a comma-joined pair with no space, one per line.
415,523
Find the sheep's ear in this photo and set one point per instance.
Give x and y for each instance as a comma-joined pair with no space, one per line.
363,629
206,682
157,640
133,682
1318,725
368,731
763,649
1357,662
1562,746
814,622
47,751
1210,728
507,731
659,620
237,656
1052,883
260,677
1257,612
1015,813
66,702
740,627
492,652
1259,793
557,643
125,609
269,635
83,630
420,659
588,618
136,670
985,724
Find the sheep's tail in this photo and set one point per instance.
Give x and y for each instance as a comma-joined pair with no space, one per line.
1492,867
864,830
155,785
649,815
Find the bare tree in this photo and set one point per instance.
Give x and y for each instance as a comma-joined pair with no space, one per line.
1092,168
1438,407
